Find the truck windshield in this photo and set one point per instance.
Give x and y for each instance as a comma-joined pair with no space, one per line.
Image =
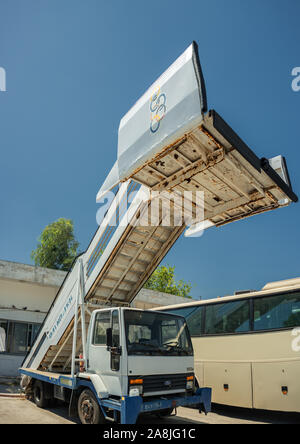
154,333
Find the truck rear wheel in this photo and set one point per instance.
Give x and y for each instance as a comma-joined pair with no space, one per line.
39,394
89,411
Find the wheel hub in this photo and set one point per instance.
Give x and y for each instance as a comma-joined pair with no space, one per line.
87,409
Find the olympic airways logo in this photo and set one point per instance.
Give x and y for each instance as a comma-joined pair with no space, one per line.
158,110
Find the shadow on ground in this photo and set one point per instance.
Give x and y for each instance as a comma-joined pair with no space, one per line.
265,416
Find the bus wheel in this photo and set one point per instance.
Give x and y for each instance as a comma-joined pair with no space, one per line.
89,411
39,394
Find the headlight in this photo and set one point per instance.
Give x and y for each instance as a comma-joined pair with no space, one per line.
135,390
135,387
190,382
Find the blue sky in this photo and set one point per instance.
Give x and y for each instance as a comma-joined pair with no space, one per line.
73,70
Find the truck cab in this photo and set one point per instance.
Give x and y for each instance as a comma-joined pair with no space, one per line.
134,361
140,353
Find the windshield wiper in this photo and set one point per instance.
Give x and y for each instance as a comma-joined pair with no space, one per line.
174,346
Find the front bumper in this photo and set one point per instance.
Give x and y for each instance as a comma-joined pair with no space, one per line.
132,406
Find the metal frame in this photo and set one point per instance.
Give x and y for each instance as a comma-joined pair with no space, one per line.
210,158
79,304
129,406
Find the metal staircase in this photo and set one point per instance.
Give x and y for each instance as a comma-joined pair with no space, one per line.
148,213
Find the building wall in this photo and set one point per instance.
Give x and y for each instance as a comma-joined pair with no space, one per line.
27,297
26,293
9,365
149,299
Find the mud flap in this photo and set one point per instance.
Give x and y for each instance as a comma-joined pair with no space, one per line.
130,409
205,400
73,404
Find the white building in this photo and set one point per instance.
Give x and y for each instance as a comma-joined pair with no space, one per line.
26,293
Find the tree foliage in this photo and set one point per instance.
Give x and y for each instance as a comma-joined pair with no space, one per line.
57,246
163,280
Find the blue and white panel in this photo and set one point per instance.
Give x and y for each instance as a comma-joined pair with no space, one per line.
173,105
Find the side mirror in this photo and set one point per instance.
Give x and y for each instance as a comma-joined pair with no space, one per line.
109,337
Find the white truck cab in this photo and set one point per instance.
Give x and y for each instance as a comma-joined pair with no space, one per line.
137,352
136,361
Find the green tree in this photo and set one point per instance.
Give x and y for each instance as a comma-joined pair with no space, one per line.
162,279
57,246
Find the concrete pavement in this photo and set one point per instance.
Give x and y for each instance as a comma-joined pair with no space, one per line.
22,411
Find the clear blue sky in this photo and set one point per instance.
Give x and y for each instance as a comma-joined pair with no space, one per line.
75,67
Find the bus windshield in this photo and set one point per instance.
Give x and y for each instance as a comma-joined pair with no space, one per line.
155,333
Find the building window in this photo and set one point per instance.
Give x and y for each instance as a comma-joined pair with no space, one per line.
16,338
3,336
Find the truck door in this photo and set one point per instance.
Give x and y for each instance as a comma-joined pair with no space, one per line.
104,360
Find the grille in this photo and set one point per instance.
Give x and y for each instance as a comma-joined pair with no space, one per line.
159,383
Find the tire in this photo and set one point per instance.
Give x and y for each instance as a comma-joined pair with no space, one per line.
89,411
39,394
165,412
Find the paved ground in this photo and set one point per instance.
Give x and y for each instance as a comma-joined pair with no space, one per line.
21,411
9,385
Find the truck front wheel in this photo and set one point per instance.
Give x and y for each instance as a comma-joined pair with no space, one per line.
89,411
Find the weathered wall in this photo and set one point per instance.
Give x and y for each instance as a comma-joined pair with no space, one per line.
149,299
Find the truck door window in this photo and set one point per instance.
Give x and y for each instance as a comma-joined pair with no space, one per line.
115,329
102,323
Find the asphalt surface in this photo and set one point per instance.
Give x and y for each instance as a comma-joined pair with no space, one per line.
10,388
22,411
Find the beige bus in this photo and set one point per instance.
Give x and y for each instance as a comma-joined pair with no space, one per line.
247,346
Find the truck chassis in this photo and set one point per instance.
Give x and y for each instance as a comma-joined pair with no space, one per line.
124,410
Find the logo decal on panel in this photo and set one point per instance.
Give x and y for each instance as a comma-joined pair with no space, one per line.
158,109
65,309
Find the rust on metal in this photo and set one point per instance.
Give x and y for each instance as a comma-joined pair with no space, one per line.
160,155
210,136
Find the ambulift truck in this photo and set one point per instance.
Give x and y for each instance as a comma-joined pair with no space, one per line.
111,361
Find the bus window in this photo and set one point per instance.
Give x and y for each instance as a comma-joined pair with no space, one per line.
229,317
193,316
274,312
194,322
